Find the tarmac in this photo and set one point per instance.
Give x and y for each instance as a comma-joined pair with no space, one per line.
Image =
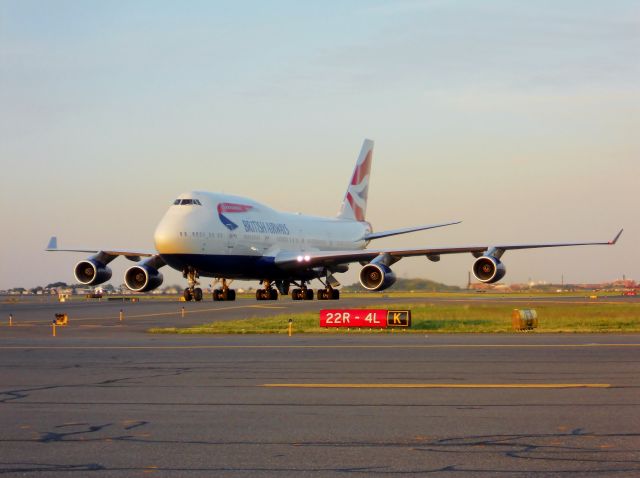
106,399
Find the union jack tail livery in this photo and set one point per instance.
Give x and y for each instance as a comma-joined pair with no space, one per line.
354,204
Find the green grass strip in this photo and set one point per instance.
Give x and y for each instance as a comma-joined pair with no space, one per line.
449,318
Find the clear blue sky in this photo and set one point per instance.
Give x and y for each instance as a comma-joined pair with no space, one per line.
520,118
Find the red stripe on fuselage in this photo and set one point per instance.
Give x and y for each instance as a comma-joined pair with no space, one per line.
226,207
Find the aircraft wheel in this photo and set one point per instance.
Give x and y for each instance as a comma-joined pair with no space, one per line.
259,295
231,294
187,295
197,294
217,295
335,294
273,294
321,294
308,294
296,294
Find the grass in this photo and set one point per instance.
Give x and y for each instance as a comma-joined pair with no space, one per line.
456,318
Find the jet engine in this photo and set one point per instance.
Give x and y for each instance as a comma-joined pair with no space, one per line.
91,272
488,269
376,276
142,278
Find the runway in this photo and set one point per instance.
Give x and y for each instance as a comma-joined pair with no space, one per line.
114,401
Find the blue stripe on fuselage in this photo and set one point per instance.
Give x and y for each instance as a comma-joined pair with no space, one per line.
233,266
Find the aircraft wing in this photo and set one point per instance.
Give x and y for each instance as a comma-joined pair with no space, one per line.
405,230
129,254
289,260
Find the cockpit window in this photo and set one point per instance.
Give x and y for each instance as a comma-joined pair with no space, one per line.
187,202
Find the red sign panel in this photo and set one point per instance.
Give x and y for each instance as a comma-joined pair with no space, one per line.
353,318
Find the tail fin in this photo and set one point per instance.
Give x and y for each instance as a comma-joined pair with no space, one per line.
354,204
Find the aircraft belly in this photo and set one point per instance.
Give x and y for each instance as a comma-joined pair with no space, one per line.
228,266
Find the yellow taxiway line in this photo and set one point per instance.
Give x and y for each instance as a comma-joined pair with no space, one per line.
397,347
436,385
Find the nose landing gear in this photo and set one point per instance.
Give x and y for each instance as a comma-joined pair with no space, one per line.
192,292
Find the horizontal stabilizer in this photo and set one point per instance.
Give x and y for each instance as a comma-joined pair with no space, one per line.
395,232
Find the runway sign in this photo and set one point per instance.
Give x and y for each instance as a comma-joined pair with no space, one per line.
368,318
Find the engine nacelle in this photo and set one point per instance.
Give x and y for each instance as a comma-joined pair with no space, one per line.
377,277
142,278
488,269
91,272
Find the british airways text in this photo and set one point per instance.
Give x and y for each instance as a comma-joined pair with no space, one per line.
265,227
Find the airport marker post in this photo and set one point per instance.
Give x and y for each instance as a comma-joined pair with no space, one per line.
121,315
290,326
53,328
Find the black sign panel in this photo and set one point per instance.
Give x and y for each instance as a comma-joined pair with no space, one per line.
398,318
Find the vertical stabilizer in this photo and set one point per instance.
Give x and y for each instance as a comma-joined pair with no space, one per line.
354,204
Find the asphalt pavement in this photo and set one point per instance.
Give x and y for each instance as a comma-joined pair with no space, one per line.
103,398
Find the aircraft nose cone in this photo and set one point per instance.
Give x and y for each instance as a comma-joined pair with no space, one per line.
165,238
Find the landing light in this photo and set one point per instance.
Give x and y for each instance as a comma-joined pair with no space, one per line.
299,258
307,258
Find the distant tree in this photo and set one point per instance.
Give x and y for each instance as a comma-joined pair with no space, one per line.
418,285
55,285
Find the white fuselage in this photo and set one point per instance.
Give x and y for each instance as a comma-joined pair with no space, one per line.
231,236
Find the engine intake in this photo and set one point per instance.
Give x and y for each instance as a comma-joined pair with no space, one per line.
142,278
488,269
91,272
377,277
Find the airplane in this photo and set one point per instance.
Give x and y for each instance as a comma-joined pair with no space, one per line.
205,234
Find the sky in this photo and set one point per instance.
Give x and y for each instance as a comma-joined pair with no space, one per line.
519,118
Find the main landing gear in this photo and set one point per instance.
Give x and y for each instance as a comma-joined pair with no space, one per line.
328,293
302,293
192,292
224,293
266,293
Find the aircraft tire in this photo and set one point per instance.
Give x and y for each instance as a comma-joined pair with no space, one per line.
197,294
335,294
296,294
231,294
273,294
321,294
187,295
216,295
308,294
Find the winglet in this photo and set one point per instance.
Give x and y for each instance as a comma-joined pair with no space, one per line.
615,239
53,244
